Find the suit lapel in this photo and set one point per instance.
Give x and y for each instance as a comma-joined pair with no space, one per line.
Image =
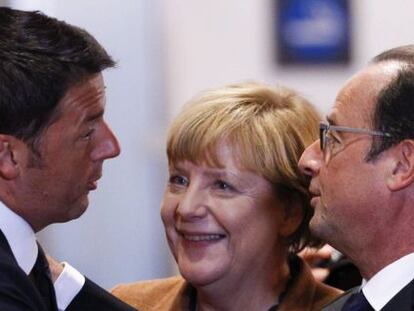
340,301
5,250
403,301
20,280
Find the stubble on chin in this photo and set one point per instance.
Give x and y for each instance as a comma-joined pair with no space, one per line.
317,224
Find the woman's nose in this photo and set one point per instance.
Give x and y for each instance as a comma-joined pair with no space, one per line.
192,205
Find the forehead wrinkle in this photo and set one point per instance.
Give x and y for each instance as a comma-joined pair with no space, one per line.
220,173
91,97
80,113
209,170
89,105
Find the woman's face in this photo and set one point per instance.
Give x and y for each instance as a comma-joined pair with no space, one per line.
223,223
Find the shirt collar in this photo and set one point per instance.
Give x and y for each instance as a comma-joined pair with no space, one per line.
384,285
20,236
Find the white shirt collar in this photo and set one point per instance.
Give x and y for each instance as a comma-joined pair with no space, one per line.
384,285
20,236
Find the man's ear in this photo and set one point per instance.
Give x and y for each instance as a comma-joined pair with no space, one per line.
402,169
9,166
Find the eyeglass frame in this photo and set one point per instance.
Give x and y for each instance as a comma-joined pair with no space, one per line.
324,127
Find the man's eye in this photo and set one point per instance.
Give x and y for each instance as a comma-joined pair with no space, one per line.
88,134
332,139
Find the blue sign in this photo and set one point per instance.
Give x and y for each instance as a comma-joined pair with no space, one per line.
313,31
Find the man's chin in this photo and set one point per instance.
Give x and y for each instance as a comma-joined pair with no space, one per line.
78,211
316,227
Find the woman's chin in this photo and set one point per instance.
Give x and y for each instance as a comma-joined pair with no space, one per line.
201,275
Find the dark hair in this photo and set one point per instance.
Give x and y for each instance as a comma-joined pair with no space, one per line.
394,111
403,53
40,59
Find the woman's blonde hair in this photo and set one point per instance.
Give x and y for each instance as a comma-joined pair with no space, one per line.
267,127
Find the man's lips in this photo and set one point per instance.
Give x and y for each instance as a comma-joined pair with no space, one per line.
315,195
314,190
314,201
93,183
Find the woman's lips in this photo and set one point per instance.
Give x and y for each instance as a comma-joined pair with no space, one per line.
203,237
200,239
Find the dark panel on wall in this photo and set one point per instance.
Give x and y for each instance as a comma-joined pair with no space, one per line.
313,31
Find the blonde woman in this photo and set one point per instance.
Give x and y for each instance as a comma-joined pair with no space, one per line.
236,206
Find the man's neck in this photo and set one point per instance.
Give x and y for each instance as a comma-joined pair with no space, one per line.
372,260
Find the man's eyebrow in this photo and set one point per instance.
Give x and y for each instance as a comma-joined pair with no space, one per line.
95,116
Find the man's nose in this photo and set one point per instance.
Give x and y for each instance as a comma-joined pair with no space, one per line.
107,147
311,159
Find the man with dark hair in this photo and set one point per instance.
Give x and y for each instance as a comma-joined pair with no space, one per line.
53,142
362,185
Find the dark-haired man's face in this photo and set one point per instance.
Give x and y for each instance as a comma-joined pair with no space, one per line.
72,150
347,190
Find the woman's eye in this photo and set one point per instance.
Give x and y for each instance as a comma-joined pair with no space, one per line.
178,180
222,185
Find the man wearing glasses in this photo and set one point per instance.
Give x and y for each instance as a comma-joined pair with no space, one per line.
362,184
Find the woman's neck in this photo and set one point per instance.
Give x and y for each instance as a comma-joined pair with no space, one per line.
254,290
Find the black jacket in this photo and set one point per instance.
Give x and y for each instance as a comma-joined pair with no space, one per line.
18,293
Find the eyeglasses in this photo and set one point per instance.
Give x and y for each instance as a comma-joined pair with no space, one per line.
325,128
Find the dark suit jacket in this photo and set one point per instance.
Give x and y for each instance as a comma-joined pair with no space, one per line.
18,293
340,301
403,301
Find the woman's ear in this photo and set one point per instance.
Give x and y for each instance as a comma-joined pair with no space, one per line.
9,168
402,165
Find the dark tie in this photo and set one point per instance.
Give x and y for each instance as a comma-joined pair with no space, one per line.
41,277
357,302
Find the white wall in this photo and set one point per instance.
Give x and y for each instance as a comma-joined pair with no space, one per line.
215,42
168,51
